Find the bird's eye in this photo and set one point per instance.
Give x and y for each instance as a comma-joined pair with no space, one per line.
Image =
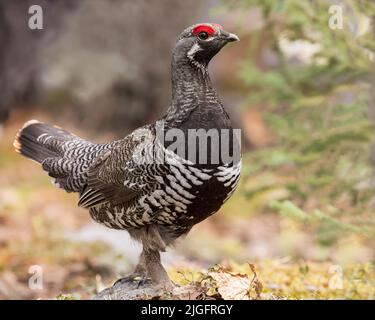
203,35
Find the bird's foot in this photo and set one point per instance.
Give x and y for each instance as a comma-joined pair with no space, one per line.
143,281
132,278
140,281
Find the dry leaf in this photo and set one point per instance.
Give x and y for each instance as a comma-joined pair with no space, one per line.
232,286
255,283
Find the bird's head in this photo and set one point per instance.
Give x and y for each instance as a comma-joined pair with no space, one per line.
201,42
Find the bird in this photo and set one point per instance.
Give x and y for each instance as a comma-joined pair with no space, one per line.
145,183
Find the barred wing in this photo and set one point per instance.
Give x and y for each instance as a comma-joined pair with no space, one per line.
118,176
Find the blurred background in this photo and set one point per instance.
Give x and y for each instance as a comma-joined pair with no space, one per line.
302,92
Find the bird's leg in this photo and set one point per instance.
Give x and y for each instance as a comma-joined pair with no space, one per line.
155,270
140,268
139,271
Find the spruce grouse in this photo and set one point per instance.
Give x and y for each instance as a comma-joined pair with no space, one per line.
145,183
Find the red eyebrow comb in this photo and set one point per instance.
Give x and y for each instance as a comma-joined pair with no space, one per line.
206,28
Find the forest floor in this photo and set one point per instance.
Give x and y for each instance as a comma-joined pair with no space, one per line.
43,233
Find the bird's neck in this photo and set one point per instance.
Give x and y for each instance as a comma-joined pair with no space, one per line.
191,89
189,81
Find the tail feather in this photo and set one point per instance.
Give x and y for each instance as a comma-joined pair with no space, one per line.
28,140
63,155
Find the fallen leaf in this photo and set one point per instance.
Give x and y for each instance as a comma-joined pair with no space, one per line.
232,286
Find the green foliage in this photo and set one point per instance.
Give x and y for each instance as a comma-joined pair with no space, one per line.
324,222
319,109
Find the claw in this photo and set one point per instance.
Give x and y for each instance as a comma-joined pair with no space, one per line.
142,282
129,278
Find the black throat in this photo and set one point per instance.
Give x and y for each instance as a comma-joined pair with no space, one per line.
195,103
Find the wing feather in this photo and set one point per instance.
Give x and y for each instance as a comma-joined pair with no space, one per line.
108,174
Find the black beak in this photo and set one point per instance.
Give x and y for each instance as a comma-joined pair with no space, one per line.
232,37
228,37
